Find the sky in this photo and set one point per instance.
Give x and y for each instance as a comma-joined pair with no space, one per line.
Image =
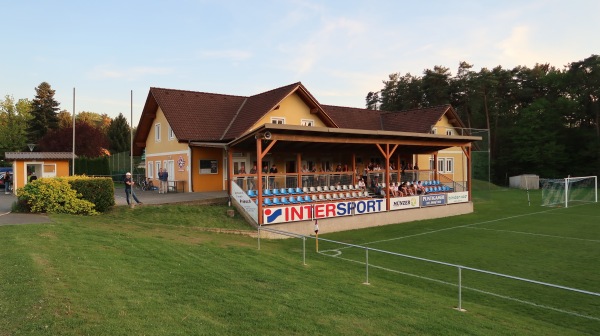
112,52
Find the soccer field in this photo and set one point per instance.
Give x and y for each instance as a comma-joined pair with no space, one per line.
546,259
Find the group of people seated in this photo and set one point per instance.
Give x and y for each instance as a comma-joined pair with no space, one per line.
406,189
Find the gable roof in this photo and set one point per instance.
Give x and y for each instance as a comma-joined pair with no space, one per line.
211,117
415,120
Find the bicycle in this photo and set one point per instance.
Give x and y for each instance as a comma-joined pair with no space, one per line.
145,184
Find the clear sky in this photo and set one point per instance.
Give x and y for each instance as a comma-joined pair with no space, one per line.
340,50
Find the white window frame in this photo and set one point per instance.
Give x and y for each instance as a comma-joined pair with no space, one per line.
449,165
171,133
444,164
157,132
434,130
307,122
157,164
150,169
449,132
278,120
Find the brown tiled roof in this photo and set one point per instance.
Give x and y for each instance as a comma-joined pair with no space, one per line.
197,116
255,108
355,118
415,120
39,155
211,117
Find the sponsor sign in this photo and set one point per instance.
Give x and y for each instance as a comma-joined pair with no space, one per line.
399,203
433,200
244,201
293,213
458,197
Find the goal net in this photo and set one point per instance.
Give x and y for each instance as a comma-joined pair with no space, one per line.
568,191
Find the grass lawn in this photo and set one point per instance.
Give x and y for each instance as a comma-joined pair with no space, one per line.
161,270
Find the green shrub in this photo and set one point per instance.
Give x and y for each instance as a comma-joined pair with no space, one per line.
98,190
54,195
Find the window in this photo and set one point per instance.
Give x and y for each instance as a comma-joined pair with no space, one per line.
307,122
157,132
434,130
277,120
449,132
209,167
171,134
150,169
444,165
449,165
157,163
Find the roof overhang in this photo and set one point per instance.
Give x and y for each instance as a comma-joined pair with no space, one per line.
208,144
296,139
39,155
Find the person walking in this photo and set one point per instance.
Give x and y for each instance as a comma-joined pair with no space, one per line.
129,190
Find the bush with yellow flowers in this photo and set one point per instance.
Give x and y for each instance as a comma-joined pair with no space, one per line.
54,195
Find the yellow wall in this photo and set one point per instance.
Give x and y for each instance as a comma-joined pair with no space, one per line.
207,182
460,160
165,144
293,109
179,173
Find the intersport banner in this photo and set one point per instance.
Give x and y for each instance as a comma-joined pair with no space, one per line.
300,212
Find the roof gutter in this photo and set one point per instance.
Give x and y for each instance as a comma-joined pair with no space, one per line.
208,144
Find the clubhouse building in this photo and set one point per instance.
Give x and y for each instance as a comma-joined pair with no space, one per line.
287,160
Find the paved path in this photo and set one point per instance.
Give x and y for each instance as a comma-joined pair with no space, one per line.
146,197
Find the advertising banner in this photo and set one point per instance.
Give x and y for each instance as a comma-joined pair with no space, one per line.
293,213
433,200
458,197
244,201
399,203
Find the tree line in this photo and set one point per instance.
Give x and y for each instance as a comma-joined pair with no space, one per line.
40,122
541,120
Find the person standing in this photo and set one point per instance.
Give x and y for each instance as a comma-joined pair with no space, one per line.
273,170
129,190
160,179
252,179
7,182
164,182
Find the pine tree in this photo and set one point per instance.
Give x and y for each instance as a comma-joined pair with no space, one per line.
44,112
118,135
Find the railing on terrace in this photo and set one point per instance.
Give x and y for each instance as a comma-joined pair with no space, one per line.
291,180
589,298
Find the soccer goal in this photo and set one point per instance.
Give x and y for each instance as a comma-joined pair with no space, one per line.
570,190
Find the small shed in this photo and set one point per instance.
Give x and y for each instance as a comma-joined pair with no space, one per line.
40,164
526,181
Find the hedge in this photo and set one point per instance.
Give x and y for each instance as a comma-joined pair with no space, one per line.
73,195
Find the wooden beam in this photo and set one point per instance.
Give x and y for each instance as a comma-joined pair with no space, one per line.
308,138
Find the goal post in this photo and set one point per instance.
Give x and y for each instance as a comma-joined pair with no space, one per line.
562,192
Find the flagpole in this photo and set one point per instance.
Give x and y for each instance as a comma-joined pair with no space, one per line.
73,157
131,134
